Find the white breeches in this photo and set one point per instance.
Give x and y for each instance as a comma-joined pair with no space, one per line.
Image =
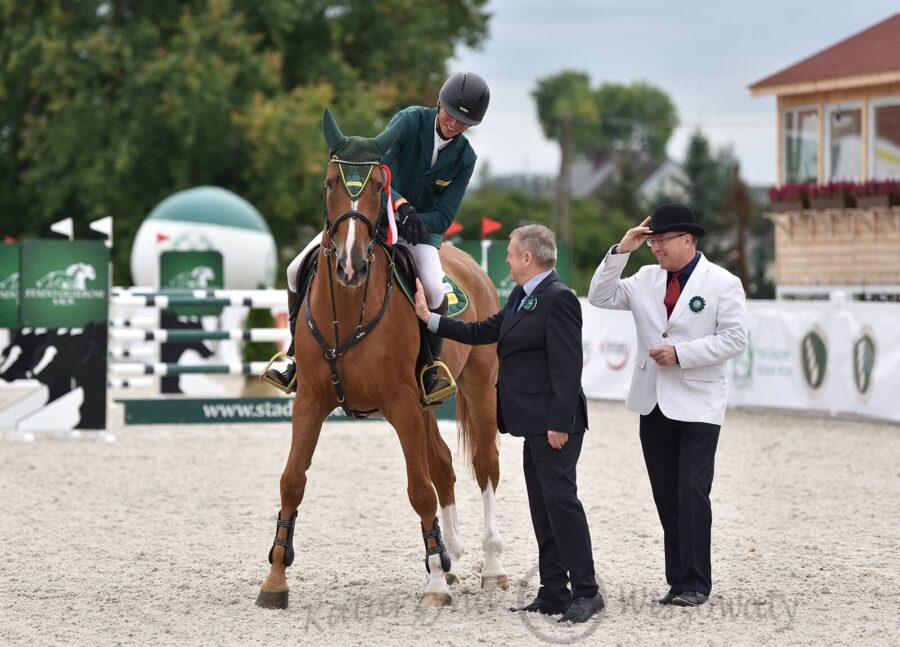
295,264
428,264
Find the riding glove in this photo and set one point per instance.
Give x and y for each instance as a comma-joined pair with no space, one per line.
411,226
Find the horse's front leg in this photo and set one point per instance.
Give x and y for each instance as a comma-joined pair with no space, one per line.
406,417
306,419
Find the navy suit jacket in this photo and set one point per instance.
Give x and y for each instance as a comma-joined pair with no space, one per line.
539,385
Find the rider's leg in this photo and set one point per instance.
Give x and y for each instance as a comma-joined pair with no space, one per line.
428,267
284,379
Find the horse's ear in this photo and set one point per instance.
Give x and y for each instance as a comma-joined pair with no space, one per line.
333,135
385,140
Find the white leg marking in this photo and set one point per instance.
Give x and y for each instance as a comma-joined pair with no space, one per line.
491,541
437,583
450,530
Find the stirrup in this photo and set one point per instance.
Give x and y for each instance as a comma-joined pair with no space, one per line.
433,400
265,378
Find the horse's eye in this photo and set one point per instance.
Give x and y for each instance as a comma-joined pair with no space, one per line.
329,184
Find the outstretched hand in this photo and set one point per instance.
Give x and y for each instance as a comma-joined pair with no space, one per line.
634,237
422,310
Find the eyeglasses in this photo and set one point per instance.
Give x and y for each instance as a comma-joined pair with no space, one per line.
651,242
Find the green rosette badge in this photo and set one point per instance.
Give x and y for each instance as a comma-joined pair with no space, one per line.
530,303
696,304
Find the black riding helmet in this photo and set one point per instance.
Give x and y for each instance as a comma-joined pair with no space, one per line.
465,96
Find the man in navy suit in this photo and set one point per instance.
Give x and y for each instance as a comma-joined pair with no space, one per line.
539,397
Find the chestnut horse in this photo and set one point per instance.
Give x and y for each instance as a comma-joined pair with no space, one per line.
357,348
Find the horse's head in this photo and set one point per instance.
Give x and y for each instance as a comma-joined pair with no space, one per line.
354,194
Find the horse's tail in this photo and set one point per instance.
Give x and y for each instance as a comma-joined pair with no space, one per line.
466,424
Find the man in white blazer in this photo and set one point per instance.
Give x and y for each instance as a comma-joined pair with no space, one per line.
690,316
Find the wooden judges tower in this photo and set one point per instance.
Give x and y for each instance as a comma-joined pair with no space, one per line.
838,152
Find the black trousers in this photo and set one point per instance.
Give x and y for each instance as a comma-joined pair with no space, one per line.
680,457
560,526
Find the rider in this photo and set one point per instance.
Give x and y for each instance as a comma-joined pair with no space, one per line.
431,163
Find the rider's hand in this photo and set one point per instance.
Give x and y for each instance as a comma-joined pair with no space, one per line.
410,225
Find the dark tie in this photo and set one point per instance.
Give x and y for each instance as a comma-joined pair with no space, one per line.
673,291
518,301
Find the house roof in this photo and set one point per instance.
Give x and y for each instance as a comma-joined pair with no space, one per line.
870,57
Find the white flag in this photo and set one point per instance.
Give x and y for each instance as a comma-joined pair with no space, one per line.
64,228
104,226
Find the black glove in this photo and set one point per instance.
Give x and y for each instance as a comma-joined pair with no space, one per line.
410,225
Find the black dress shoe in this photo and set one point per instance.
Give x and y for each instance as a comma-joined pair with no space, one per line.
689,599
582,609
668,597
542,606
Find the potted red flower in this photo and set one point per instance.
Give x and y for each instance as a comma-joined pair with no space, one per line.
876,194
833,195
788,197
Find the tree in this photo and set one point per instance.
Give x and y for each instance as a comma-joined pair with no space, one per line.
637,118
107,107
723,205
564,103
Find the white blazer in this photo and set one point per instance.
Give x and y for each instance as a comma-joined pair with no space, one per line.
707,327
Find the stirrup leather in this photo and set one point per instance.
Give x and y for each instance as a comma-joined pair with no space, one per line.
443,394
265,378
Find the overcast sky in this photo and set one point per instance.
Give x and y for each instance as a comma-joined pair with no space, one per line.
703,53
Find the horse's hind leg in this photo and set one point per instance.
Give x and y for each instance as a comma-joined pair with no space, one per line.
405,415
307,419
476,411
440,469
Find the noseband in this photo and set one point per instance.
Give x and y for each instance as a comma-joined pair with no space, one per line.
333,352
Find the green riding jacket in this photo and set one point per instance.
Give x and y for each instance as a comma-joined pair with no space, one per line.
435,191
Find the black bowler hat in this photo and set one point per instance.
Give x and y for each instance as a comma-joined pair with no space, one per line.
675,217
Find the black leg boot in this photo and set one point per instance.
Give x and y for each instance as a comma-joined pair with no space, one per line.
433,381
286,380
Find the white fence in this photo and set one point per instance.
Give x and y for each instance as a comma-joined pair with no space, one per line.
827,357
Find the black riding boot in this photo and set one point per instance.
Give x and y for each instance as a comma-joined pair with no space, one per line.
285,380
431,380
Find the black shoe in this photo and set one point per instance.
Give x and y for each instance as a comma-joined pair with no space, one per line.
689,599
283,378
542,606
434,382
668,597
583,609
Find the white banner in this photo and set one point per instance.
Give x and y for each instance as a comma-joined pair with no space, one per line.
829,357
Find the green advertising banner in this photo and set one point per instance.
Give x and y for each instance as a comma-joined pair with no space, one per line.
498,270
9,286
191,271
64,284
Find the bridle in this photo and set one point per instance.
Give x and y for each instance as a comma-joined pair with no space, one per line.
333,352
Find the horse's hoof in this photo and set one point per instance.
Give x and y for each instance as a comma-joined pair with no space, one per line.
435,600
494,582
451,579
272,599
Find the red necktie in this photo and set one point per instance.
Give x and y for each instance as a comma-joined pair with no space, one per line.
673,291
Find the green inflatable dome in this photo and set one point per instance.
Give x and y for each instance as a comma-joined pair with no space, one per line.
210,205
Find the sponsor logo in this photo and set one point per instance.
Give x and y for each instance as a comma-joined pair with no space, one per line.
196,278
616,354
742,367
864,354
814,359
65,287
9,287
